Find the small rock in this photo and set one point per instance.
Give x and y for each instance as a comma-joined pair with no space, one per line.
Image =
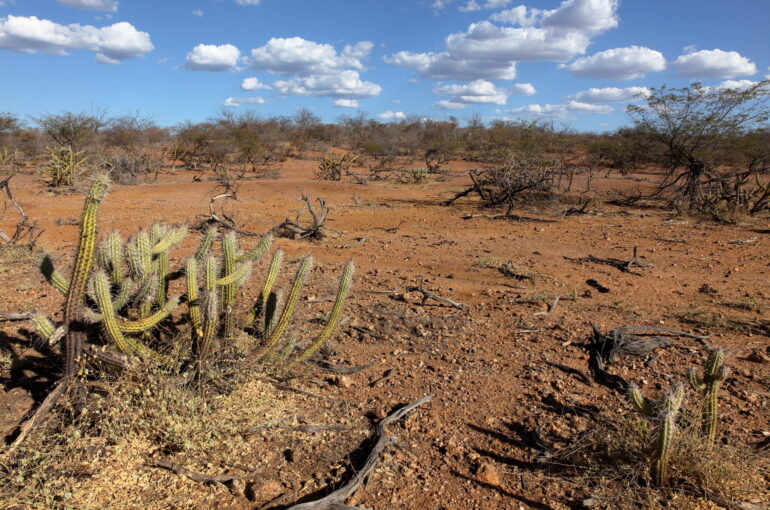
262,492
238,488
342,381
487,473
758,356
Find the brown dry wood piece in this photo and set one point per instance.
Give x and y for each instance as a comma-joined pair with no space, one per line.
40,414
228,224
336,369
570,370
551,307
636,262
23,316
577,210
426,295
294,228
192,475
109,356
750,240
358,242
390,230
23,227
509,270
385,376
336,499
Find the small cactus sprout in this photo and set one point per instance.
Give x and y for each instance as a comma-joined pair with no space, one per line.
663,413
714,372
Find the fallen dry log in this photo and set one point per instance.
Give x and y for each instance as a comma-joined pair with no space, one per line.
336,500
426,295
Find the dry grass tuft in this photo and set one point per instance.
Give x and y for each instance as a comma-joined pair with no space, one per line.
99,457
612,463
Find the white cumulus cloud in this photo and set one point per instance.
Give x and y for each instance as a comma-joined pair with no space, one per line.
346,103
342,85
112,43
612,95
389,115
566,111
315,69
93,5
235,102
253,84
247,2
198,12
449,105
619,63
523,89
714,64
210,57
489,51
736,84
295,55
475,92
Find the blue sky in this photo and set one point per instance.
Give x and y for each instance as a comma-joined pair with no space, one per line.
575,62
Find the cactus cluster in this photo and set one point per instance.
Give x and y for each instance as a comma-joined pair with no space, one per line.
714,372
120,290
663,413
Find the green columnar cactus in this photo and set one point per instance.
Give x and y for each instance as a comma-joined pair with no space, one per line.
193,304
663,413
229,254
110,323
334,317
84,261
54,277
271,312
305,265
714,372
44,326
210,314
261,305
206,243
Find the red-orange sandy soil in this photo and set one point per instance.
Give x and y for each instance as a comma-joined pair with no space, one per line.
492,368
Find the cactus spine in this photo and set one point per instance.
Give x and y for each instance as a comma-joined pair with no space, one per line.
229,249
663,413
714,372
84,261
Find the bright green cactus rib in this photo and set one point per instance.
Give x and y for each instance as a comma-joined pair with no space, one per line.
663,414
714,372
259,251
53,276
84,261
193,305
207,241
241,272
305,265
139,257
210,314
346,281
44,326
153,320
109,320
114,247
124,295
161,273
229,255
169,238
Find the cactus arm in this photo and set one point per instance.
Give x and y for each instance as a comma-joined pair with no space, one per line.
193,306
271,312
267,288
714,372
115,254
695,382
206,243
53,276
109,320
305,266
153,320
169,239
44,326
241,272
640,402
84,261
346,281
229,251
259,251
664,436
162,266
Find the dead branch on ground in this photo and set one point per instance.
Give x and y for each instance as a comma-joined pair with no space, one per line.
426,295
336,500
24,229
295,229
